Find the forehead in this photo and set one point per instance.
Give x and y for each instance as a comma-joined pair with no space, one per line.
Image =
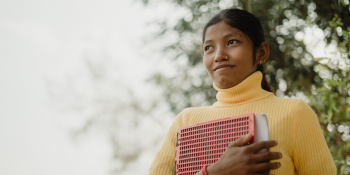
221,30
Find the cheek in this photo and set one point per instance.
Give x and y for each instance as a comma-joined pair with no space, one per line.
243,56
207,63
245,64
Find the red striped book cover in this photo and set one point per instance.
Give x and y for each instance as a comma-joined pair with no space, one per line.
203,143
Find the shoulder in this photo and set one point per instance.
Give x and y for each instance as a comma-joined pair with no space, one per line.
295,104
189,115
292,103
291,107
298,110
194,110
197,109
181,118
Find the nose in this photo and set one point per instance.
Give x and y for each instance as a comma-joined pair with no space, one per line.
221,55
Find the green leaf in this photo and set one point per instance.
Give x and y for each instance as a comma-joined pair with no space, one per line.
346,69
339,89
343,3
331,23
324,67
340,23
320,58
342,169
346,33
332,82
346,41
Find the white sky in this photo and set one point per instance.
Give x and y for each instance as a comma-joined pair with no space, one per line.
46,39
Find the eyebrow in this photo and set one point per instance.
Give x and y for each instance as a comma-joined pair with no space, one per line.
225,36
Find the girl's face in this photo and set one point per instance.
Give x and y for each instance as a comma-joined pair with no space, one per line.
228,55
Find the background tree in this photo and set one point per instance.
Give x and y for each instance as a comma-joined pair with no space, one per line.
289,67
331,100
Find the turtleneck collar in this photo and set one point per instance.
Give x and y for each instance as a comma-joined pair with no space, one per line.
247,91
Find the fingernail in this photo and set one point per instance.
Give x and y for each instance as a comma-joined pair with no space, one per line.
279,164
247,135
279,155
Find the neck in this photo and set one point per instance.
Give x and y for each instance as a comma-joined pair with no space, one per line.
247,91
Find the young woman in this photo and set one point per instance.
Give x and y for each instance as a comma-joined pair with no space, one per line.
234,52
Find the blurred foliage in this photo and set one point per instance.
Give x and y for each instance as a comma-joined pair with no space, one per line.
290,68
289,62
331,100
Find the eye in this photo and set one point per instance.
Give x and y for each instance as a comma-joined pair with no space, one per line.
207,48
232,42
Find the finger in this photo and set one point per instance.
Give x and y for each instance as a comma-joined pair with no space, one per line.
255,147
241,141
267,173
266,156
261,167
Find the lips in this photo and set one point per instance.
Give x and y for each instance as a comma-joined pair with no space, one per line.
223,67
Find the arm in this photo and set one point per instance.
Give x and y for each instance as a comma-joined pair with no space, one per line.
311,155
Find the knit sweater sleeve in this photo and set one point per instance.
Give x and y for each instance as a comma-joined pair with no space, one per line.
311,155
164,162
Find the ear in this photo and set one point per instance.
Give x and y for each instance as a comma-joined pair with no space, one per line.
263,52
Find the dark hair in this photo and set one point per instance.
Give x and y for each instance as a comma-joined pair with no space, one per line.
250,26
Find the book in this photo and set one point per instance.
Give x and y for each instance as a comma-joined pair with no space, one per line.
204,143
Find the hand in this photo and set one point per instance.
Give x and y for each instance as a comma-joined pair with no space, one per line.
239,159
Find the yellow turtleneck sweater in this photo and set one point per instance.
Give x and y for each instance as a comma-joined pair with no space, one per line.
291,122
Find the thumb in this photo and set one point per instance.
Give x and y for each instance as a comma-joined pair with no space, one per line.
241,141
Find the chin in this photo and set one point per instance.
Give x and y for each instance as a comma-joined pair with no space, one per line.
225,83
